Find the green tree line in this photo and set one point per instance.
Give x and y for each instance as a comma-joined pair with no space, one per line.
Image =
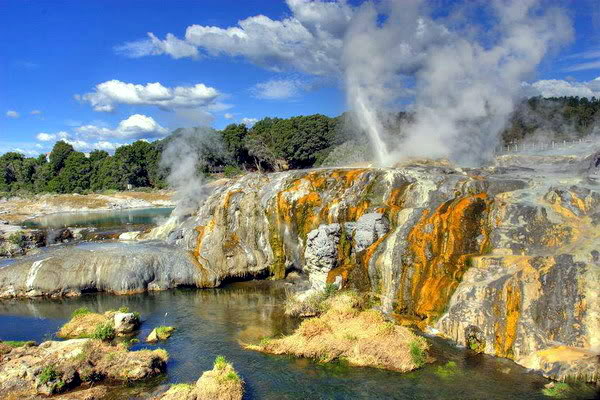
272,144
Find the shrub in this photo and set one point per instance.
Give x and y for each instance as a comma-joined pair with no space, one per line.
18,239
104,332
230,171
123,309
80,311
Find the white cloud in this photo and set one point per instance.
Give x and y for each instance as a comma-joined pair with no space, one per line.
77,142
172,45
559,88
228,116
12,114
107,95
35,112
276,89
310,40
28,153
249,121
50,137
137,126
107,146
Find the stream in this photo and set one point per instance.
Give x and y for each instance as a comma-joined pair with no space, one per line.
213,322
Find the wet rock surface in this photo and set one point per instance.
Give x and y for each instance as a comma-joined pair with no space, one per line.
111,267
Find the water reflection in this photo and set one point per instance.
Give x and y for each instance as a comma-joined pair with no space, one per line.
214,322
101,219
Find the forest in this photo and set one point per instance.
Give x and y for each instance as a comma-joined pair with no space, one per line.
272,144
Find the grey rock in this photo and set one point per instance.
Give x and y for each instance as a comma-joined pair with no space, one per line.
126,323
368,229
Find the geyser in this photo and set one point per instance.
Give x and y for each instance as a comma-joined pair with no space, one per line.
460,79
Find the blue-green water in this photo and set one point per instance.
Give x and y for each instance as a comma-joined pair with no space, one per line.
101,219
215,321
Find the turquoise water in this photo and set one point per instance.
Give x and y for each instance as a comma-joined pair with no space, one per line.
101,219
214,322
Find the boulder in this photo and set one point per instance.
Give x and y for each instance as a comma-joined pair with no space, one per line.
321,253
160,333
126,323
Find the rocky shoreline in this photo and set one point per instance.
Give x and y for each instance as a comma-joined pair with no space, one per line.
501,259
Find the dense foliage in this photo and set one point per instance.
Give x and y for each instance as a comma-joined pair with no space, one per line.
272,144
553,118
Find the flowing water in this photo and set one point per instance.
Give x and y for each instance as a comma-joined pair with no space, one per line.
213,322
101,219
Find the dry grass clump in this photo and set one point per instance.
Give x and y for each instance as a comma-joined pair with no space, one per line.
346,331
84,325
310,305
222,382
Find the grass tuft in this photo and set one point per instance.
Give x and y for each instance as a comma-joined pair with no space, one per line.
80,311
105,332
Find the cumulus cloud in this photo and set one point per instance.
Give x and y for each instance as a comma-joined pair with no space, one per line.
310,40
12,114
137,126
249,121
51,137
107,95
276,89
78,143
228,116
560,88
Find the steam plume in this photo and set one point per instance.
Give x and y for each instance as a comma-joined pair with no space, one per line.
464,82
181,158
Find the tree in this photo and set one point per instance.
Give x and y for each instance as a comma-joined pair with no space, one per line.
59,154
233,137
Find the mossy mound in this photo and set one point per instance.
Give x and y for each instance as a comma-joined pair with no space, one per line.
56,367
160,333
222,382
347,331
87,324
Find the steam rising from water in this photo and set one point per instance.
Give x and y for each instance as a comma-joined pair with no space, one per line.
464,79
182,158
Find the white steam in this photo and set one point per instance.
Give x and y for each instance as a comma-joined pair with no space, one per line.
181,158
465,81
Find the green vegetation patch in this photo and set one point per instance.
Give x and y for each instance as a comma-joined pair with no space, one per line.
18,343
80,311
105,332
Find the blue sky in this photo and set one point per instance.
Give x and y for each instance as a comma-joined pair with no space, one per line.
88,72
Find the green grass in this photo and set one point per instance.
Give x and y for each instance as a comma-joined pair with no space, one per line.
163,332
48,374
232,376
19,343
220,362
123,309
104,332
80,311
417,354
179,387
